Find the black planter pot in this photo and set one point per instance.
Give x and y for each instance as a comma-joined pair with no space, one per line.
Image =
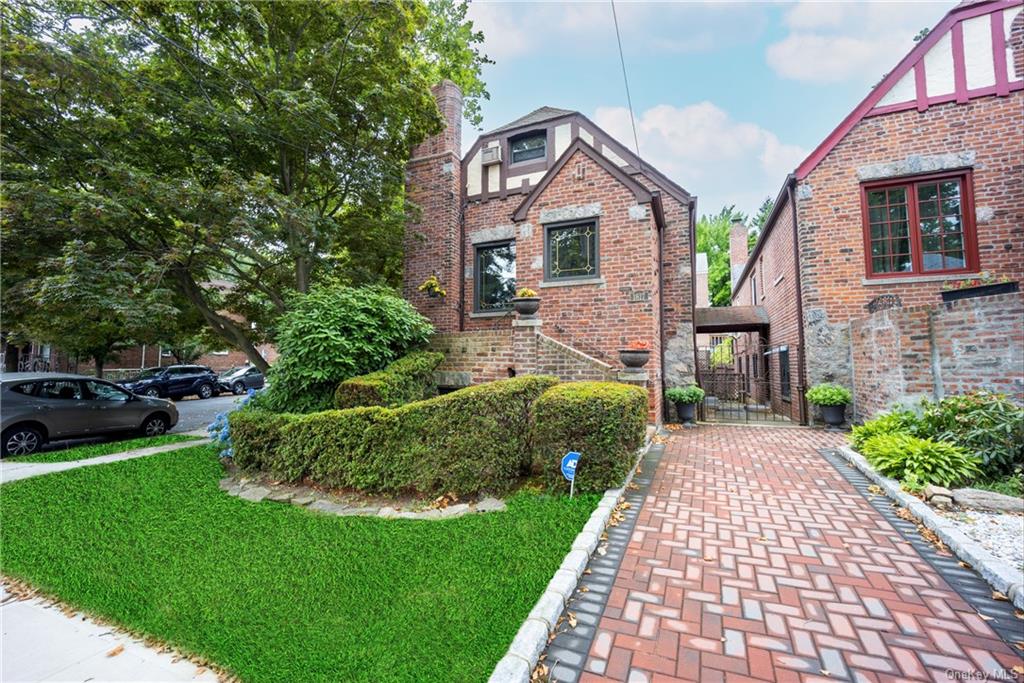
980,290
687,412
526,306
834,416
634,358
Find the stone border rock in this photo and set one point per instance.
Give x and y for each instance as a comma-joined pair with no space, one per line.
999,574
312,499
532,638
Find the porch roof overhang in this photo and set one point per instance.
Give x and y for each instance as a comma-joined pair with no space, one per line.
730,319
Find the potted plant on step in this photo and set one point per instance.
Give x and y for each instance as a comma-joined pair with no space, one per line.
686,400
526,302
832,399
635,355
986,285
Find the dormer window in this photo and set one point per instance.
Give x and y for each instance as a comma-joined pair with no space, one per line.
529,146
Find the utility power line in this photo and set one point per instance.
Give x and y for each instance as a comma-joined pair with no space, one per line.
625,79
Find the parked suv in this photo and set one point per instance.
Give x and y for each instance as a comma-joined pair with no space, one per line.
174,382
45,406
240,380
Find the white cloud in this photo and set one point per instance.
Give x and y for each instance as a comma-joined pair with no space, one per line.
701,147
838,42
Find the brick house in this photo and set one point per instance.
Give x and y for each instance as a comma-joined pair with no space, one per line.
920,186
553,203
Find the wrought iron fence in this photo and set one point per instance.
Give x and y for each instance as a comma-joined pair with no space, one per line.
753,383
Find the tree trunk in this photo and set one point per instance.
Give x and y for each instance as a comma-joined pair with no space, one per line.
223,327
98,361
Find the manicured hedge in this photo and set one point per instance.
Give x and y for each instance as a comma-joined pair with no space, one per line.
408,379
603,421
466,442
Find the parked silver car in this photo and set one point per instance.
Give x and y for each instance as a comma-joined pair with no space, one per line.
36,407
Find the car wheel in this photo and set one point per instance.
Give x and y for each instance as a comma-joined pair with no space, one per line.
205,391
152,391
22,441
238,388
154,426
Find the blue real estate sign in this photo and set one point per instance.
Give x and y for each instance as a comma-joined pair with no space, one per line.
569,465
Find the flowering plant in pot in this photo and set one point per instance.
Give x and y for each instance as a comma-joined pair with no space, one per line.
636,354
686,400
832,399
432,287
526,302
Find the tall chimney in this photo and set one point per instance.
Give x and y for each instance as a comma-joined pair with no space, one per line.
737,249
433,182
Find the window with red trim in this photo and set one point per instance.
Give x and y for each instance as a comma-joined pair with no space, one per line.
921,226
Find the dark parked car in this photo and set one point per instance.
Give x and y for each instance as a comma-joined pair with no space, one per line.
175,382
240,380
43,406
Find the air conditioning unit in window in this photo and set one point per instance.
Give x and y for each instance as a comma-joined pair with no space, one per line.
491,155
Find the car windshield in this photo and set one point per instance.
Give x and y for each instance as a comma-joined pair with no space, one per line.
231,371
148,373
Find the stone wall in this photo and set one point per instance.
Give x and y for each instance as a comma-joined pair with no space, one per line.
901,355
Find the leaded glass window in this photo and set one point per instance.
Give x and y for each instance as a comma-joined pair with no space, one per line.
495,276
571,251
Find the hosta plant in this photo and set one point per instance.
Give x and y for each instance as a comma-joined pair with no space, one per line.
923,461
897,421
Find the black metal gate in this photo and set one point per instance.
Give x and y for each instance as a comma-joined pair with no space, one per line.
747,383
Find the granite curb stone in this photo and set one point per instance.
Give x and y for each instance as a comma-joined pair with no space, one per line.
998,573
563,584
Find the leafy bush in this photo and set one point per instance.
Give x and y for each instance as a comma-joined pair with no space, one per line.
408,379
897,421
689,394
603,421
332,334
828,395
922,461
219,430
472,440
721,355
989,425
256,436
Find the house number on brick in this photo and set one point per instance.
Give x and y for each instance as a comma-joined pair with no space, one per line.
635,296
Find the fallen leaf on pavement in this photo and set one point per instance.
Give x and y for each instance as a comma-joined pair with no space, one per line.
116,651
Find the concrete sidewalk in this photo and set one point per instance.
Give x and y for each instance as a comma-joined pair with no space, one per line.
13,471
42,643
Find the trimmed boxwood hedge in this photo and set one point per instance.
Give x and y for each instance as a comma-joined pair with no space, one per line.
604,422
408,379
466,442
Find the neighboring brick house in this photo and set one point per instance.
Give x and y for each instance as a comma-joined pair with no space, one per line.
553,203
921,185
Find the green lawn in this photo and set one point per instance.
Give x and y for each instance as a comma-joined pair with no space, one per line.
98,449
277,593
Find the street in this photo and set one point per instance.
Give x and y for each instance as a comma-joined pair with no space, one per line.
194,413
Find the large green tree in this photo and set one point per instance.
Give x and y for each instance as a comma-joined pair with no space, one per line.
713,240
758,222
243,150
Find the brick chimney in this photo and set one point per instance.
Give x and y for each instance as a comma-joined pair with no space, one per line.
737,249
433,182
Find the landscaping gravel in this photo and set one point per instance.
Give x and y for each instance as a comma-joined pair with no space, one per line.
1000,534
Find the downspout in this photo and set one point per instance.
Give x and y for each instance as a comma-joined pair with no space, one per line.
693,292
461,308
659,222
801,353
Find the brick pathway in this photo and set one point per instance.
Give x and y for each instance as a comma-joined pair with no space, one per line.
754,559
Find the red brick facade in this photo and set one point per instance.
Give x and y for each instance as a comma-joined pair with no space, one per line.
976,135
643,222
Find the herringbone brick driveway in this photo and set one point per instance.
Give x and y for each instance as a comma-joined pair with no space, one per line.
754,559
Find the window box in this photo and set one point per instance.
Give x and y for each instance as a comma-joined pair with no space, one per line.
919,226
980,290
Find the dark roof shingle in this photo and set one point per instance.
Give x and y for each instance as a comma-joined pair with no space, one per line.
535,116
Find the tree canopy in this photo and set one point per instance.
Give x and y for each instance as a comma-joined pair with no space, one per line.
713,240
235,153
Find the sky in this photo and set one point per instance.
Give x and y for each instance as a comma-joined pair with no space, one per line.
728,97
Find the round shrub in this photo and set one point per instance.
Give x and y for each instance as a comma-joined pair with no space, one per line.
922,461
603,421
332,334
689,394
828,395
